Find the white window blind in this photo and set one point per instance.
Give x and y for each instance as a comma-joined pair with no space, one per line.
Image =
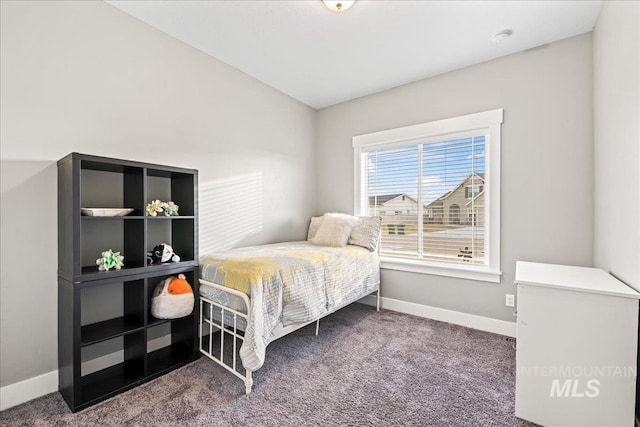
432,191
393,194
423,194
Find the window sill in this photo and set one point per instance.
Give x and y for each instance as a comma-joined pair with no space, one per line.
423,267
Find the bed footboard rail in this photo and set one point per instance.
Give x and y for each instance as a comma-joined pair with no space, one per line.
226,329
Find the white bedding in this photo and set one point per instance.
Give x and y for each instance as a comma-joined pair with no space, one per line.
288,283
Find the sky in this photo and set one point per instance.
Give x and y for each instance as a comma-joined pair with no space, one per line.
444,165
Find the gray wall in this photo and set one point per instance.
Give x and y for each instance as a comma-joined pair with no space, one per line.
616,93
547,161
84,76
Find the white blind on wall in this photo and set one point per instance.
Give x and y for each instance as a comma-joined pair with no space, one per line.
431,197
393,195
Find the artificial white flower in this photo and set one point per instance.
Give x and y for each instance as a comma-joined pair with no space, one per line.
110,260
154,207
171,208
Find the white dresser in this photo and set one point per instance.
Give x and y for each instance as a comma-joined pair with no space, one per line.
577,333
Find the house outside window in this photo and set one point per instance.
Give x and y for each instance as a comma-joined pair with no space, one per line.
441,180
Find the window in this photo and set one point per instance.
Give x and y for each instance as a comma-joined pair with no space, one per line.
471,191
442,180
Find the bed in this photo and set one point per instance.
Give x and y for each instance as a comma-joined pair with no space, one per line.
249,297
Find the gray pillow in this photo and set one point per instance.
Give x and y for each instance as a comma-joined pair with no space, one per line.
313,227
366,233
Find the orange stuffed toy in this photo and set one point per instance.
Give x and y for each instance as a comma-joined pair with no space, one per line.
172,298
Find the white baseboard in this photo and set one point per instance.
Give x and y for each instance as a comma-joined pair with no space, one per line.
23,391
500,327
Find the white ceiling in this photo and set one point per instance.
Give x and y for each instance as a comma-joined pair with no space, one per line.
322,58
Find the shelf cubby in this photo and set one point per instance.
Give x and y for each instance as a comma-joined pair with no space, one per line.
169,344
191,277
103,377
172,185
105,321
168,358
107,382
111,186
126,237
178,232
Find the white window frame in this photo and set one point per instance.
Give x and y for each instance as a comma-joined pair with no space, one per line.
489,122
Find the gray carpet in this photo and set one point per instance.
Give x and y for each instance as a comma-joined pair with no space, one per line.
365,368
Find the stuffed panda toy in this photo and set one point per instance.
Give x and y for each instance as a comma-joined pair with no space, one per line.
162,253
172,298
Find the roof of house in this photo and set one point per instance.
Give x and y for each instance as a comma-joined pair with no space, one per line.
384,198
447,194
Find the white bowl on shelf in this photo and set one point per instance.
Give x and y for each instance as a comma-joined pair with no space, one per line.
106,211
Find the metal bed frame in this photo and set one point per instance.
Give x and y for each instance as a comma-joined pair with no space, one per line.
234,332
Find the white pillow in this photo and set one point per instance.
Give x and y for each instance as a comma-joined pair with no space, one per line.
334,230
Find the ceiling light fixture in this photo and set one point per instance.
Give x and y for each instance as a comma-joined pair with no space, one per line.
501,37
338,6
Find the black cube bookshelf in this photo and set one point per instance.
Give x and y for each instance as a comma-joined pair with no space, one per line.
108,341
